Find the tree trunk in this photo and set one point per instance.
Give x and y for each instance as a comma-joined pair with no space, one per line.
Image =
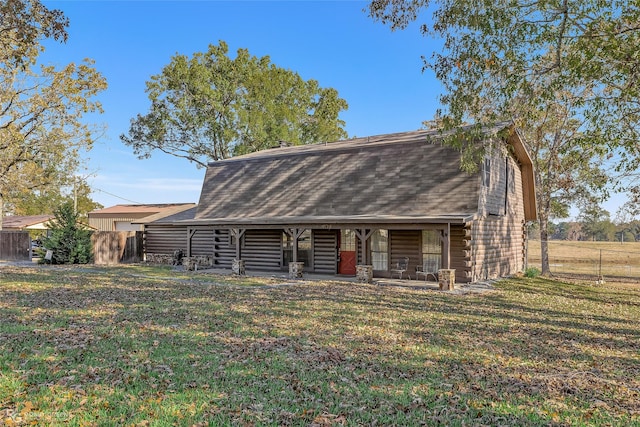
1,210
544,246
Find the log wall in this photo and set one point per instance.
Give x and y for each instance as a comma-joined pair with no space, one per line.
223,251
460,253
497,240
163,239
325,251
262,249
201,242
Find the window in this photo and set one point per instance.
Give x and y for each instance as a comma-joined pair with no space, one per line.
304,248
511,177
486,172
380,250
431,246
348,240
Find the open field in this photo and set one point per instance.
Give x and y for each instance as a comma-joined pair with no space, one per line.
142,346
614,259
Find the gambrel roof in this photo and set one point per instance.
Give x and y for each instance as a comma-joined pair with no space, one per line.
405,177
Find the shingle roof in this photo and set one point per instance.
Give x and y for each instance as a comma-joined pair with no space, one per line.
20,222
180,213
149,209
394,176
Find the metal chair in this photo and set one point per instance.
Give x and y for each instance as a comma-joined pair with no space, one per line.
430,267
401,267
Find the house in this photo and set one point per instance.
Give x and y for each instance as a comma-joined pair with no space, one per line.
365,201
29,222
128,217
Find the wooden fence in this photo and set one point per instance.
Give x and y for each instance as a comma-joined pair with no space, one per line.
15,246
113,247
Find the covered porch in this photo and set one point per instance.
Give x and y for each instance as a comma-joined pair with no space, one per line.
339,246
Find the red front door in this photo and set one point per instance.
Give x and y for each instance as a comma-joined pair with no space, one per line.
347,265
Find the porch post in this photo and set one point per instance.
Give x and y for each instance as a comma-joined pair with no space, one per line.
295,233
237,233
190,233
363,235
447,245
446,275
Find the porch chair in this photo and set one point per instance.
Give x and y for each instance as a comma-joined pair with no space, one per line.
430,267
401,267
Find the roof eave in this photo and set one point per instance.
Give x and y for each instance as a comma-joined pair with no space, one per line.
326,222
521,153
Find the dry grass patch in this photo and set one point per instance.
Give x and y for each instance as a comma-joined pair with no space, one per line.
134,346
614,260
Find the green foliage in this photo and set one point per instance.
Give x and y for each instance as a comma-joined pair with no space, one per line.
596,224
42,107
532,272
68,239
566,73
210,107
23,24
45,201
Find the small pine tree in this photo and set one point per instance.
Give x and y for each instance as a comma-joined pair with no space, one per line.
69,242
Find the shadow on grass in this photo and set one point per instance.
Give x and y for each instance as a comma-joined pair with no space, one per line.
140,349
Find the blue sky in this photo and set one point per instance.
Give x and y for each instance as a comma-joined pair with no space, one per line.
377,71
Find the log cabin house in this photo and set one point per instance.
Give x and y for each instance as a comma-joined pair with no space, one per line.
369,201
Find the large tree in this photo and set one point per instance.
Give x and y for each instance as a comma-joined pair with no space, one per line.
596,223
210,107
46,200
566,70
41,106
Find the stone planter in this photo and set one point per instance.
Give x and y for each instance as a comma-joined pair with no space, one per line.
447,279
364,273
237,266
296,270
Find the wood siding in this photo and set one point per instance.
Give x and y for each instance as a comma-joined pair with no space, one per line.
497,240
114,247
262,249
164,239
461,253
15,245
201,241
101,223
223,251
325,251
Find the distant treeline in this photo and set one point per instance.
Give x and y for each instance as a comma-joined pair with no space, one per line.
603,230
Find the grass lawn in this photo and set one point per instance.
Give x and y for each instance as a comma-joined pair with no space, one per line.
131,346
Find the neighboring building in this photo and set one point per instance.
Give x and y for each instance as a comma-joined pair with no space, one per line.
29,222
370,201
128,217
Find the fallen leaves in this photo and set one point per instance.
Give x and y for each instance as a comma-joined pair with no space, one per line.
109,346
